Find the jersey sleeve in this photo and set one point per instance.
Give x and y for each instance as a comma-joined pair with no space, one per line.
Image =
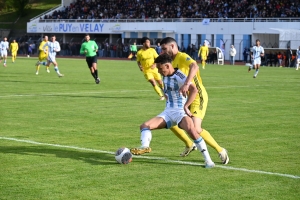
262,50
138,56
186,59
82,48
57,47
155,55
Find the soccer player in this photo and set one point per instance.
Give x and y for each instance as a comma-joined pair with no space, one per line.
203,53
14,47
53,47
198,108
90,49
256,54
43,55
145,61
298,58
4,47
176,111
133,50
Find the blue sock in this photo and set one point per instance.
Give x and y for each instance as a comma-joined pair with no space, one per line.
198,140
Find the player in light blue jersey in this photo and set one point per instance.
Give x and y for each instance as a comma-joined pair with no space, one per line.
298,58
256,54
53,47
4,48
176,111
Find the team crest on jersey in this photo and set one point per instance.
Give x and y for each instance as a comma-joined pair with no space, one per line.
188,58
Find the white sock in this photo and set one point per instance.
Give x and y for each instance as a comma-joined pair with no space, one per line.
201,145
146,137
56,69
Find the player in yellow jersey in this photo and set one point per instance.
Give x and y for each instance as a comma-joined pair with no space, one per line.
14,47
203,54
145,60
43,55
190,68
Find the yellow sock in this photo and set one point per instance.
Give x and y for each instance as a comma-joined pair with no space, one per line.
203,64
182,136
38,68
210,140
47,68
158,90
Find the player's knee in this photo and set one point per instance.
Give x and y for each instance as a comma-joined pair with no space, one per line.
144,125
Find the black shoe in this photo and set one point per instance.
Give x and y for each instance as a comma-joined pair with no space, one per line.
97,80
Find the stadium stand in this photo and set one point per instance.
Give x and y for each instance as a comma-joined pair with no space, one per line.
157,9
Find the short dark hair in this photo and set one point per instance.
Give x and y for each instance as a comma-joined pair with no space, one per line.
86,34
257,40
143,40
45,36
163,59
167,40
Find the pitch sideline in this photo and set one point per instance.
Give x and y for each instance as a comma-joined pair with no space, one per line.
151,158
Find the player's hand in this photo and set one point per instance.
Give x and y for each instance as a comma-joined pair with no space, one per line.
85,51
142,69
153,66
187,111
184,90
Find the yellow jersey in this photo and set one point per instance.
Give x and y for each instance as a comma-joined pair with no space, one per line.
203,50
14,47
146,58
42,45
182,61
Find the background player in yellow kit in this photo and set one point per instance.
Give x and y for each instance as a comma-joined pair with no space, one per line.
43,55
145,60
14,47
203,53
190,68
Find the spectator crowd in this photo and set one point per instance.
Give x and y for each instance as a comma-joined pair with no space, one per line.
161,9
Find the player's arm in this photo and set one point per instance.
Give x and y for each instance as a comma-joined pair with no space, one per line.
192,73
44,47
262,52
10,46
96,47
191,97
155,55
199,52
57,47
82,49
140,65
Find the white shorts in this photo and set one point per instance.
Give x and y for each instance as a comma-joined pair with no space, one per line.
257,61
3,53
51,58
172,116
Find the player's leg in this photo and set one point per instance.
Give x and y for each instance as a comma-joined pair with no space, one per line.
159,81
146,135
13,56
187,124
94,66
203,61
198,112
52,59
256,69
4,58
189,144
149,76
298,63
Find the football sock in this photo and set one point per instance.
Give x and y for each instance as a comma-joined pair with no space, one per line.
93,74
146,137
158,90
203,64
201,145
37,68
4,60
182,136
210,140
56,69
256,72
96,73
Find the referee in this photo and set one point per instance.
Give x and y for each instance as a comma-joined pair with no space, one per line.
89,48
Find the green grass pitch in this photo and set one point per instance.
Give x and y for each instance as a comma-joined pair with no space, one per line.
58,135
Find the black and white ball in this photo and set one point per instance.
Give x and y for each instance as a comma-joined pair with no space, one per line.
123,155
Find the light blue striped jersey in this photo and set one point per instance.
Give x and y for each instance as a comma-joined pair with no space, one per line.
171,89
298,53
4,46
257,51
51,47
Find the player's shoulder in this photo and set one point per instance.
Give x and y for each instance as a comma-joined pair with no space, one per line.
179,74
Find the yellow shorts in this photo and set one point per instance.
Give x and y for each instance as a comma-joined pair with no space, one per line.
42,56
198,108
14,54
152,74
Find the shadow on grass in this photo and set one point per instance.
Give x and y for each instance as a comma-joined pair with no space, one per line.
88,157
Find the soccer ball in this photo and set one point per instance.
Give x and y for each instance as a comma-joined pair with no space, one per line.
123,155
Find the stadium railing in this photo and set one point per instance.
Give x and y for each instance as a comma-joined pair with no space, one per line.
172,20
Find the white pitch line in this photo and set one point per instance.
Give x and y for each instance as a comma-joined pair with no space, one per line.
104,92
152,158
